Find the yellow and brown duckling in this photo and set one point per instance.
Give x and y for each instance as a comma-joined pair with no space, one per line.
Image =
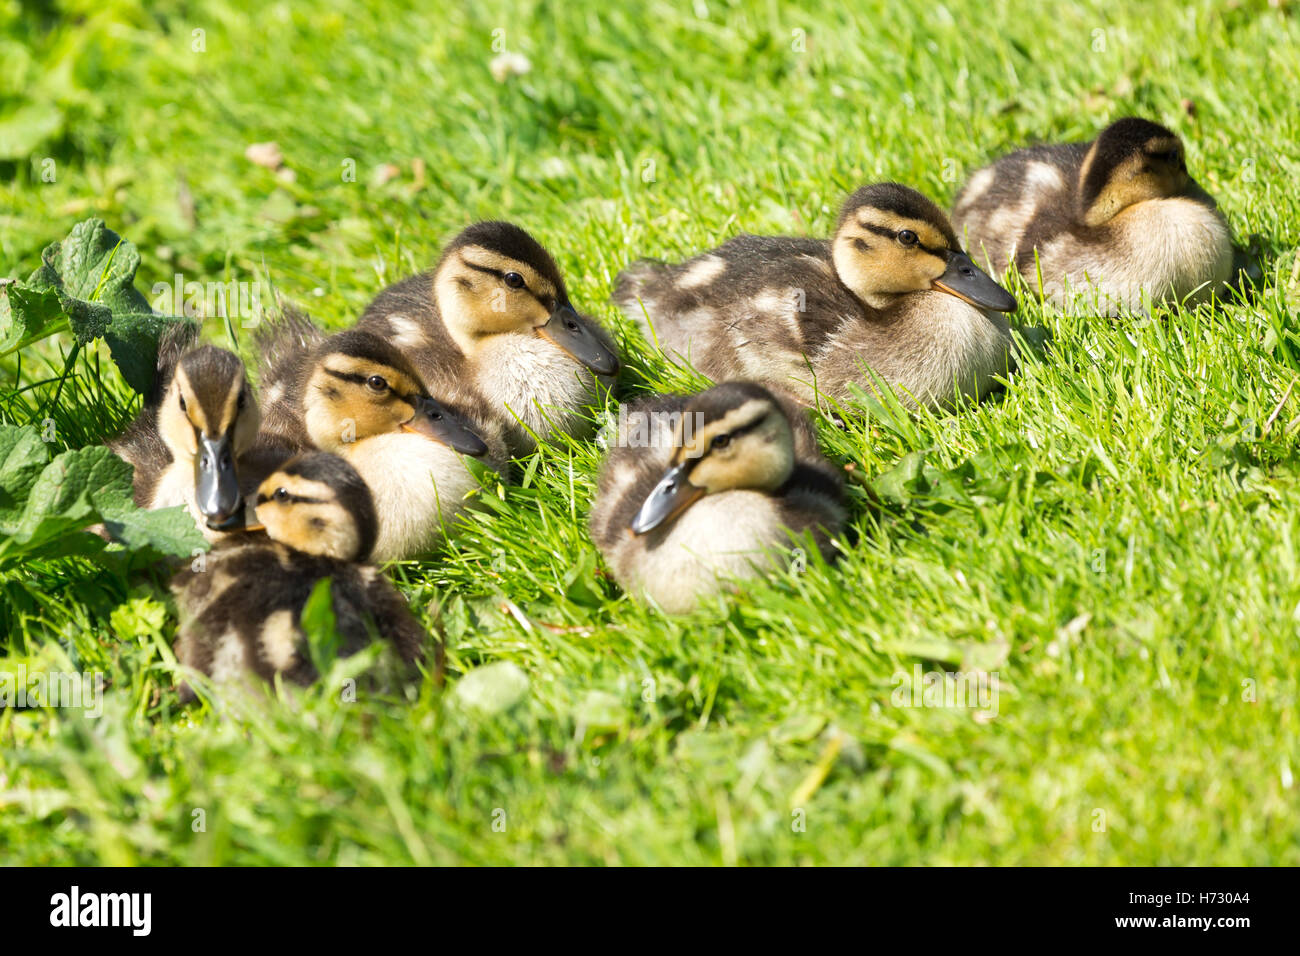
1119,217
699,489
357,396
195,438
493,319
241,615
892,291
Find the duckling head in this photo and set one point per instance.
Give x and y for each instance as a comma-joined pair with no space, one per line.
495,279
208,416
733,436
1133,160
892,241
318,504
361,386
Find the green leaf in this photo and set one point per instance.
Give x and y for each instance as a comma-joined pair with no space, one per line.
70,492
93,265
90,278
28,315
905,479
133,342
166,531
318,623
22,458
580,583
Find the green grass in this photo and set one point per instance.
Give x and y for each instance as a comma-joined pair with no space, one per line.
1115,537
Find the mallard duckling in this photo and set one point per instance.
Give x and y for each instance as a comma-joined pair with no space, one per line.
195,433
700,488
1120,216
242,613
357,396
892,292
493,319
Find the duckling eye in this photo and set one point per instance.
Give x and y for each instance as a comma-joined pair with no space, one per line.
182,398
514,280
907,237
720,441
281,494
239,405
377,383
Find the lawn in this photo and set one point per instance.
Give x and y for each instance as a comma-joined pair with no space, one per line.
1112,539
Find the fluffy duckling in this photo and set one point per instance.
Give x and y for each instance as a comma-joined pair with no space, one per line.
1120,215
357,396
196,434
700,488
493,319
242,613
892,292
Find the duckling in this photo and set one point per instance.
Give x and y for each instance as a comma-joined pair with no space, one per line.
357,396
1120,215
195,434
892,292
242,613
700,488
493,319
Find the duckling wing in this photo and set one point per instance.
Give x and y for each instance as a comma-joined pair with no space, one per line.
753,303
1019,202
406,315
285,345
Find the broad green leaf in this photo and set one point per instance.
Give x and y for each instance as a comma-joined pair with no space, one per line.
22,458
132,339
166,530
70,492
94,265
28,315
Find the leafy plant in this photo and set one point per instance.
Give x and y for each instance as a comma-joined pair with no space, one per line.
46,505
86,285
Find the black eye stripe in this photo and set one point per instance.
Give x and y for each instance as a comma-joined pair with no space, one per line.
500,274
358,379
892,235
731,436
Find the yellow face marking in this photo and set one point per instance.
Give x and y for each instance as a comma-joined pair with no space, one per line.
929,236
695,444
476,258
305,515
189,399
476,303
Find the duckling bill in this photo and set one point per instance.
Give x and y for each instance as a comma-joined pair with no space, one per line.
241,616
730,478
1119,217
891,296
